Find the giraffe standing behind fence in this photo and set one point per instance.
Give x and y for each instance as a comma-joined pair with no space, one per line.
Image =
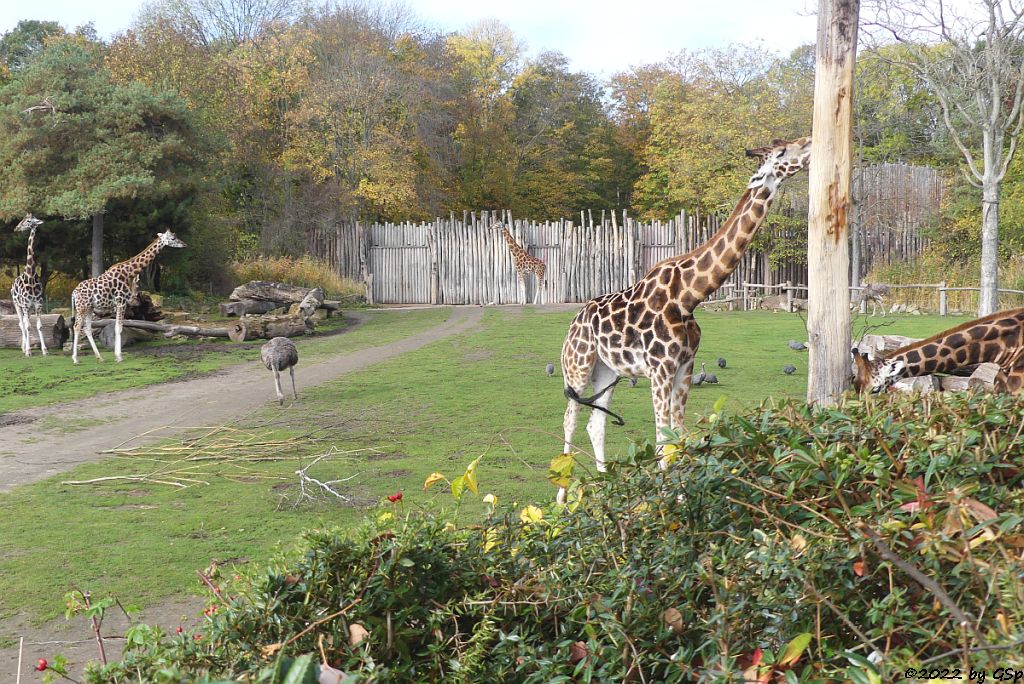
525,264
27,291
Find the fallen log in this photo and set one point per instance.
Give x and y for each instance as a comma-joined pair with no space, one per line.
129,336
55,331
311,302
6,307
266,327
984,377
876,345
168,329
267,291
249,306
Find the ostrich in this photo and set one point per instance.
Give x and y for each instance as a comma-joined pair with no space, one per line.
278,354
874,293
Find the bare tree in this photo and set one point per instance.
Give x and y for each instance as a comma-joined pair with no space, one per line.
973,60
231,21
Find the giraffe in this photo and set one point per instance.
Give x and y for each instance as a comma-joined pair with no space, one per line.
27,291
112,290
997,338
525,264
648,328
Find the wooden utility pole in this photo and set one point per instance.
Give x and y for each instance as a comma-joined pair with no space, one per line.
828,258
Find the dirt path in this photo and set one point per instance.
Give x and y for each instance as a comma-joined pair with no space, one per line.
54,439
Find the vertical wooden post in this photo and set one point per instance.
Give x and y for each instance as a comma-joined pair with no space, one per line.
828,258
789,296
943,299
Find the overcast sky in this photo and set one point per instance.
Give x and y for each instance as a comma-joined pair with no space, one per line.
598,36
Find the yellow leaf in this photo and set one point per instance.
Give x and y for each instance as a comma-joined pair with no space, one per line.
670,452
795,648
531,514
798,543
560,470
356,633
432,479
490,539
471,481
491,499
458,486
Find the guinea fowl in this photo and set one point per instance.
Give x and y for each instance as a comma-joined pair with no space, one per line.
277,355
711,379
721,362
550,369
797,346
699,378
789,369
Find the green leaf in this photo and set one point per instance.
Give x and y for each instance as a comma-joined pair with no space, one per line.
458,486
795,648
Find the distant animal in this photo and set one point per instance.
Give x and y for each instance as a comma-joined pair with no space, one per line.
711,379
797,346
789,369
550,369
277,355
721,362
699,378
874,293
27,290
633,381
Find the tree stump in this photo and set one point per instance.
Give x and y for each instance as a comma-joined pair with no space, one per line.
266,327
55,332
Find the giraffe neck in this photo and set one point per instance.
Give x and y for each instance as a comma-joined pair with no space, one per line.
721,254
30,259
513,245
987,340
145,257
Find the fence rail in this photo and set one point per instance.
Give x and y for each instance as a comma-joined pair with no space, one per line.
465,261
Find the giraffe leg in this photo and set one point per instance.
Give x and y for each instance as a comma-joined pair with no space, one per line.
601,377
88,334
74,345
536,294
277,386
522,290
576,370
291,370
19,312
39,329
118,327
683,377
663,377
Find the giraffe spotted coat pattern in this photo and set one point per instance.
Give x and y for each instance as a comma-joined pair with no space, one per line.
648,329
27,291
525,264
997,338
111,291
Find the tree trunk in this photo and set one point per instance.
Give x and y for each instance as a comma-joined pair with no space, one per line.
989,299
248,306
97,244
828,262
264,290
266,327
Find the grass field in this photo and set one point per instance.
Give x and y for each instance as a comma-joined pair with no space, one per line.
436,409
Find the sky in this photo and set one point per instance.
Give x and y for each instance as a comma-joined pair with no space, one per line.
601,37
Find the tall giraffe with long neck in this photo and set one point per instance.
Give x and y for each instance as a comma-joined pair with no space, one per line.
648,329
111,291
997,338
27,291
524,263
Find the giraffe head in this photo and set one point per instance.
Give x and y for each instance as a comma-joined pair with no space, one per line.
169,239
28,223
779,161
875,376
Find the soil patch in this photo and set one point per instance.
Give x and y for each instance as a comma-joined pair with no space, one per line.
16,419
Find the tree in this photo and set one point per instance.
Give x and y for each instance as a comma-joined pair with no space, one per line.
92,144
22,43
828,305
974,65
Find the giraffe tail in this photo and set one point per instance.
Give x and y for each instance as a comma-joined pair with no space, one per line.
572,395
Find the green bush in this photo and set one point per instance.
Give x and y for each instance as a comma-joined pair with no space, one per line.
767,540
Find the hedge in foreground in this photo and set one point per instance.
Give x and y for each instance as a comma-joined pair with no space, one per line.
783,545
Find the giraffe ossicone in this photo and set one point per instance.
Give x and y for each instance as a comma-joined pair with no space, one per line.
111,291
27,290
525,264
648,329
997,338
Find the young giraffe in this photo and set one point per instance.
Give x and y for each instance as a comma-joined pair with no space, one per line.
27,291
997,338
648,329
112,290
524,264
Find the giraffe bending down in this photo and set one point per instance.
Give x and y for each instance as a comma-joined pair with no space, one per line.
27,291
111,291
648,329
525,264
997,338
